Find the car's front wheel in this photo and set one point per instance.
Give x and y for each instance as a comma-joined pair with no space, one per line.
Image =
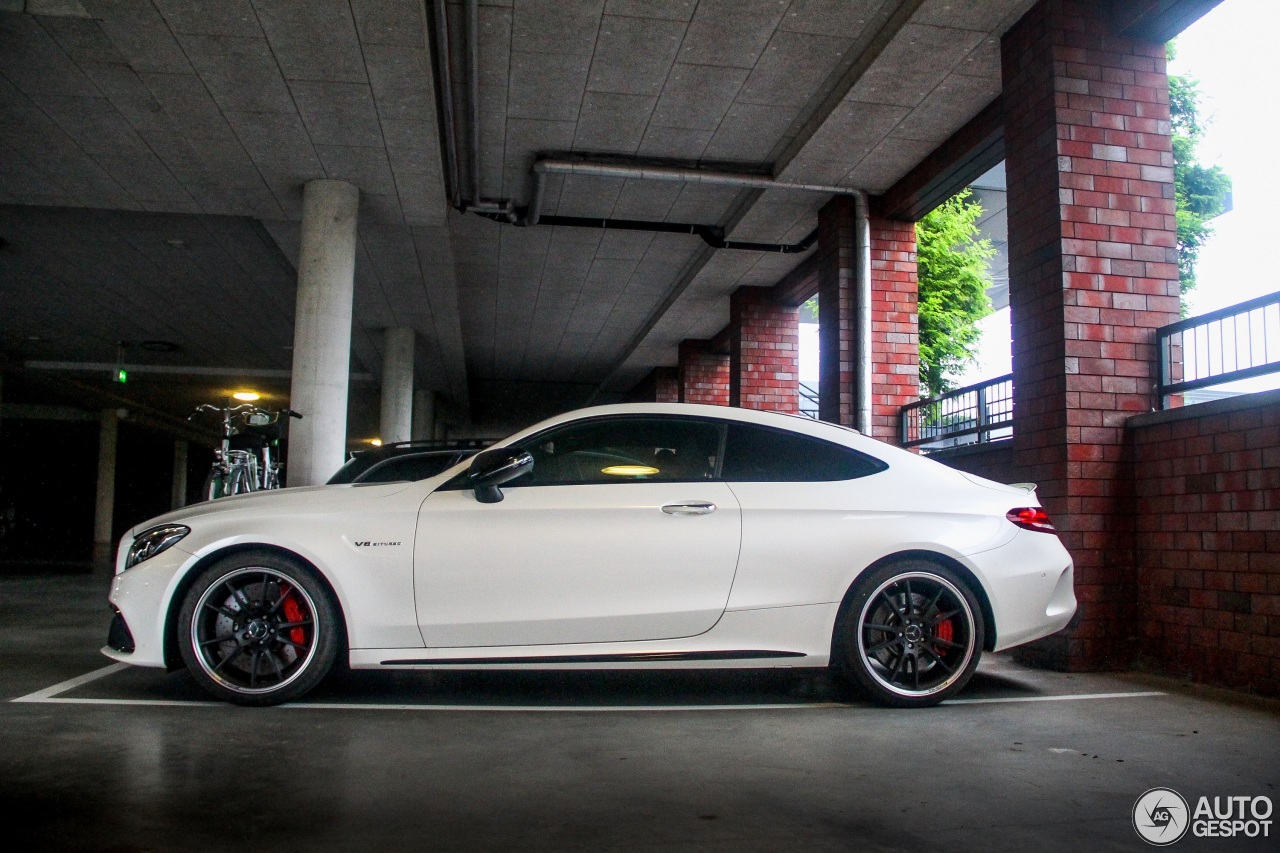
257,628
910,634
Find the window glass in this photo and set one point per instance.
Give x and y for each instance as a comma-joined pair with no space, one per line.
624,450
416,466
765,455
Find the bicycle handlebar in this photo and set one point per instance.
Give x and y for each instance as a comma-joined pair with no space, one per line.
244,409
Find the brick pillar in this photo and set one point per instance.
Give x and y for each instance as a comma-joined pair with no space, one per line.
1092,274
837,262
662,385
895,339
703,374
764,352
895,335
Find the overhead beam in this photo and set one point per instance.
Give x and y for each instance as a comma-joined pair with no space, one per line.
955,164
107,367
797,286
1157,21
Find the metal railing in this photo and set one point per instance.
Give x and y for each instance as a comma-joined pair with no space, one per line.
970,415
809,400
1238,342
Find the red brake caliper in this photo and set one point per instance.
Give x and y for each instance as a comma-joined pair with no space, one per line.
293,613
945,633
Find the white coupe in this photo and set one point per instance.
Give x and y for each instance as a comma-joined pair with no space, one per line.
631,536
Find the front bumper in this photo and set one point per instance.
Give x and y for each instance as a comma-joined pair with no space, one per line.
119,637
141,597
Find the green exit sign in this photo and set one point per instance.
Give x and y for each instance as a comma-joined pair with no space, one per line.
121,375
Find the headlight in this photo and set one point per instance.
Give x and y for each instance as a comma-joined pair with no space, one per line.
152,541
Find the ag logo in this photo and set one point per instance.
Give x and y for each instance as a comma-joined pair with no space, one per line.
1160,816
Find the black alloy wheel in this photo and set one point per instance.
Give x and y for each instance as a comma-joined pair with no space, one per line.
257,629
911,634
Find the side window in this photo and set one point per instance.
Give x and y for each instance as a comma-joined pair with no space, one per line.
413,466
756,454
624,450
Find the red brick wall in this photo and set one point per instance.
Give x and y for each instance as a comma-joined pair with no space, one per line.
662,385
895,339
703,375
994,460
837,265
1092,274
1208,525
764,352
895,342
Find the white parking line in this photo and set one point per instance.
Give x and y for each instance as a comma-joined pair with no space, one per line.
1066,698
70,684
50,696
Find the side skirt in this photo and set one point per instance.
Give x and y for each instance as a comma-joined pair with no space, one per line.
635,657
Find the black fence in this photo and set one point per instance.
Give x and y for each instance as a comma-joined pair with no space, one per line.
809,400
969,415
1238,342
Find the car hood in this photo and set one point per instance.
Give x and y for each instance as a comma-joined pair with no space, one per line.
277,501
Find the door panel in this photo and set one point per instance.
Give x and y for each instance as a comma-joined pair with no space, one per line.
575,563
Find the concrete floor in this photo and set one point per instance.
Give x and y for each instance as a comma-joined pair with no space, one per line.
670,761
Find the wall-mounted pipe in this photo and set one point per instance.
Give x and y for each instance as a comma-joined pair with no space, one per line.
862,287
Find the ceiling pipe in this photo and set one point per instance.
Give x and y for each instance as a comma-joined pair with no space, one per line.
444,69
680,174
473,93
505,209
712,235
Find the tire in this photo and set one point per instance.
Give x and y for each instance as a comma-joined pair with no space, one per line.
278,625
930,659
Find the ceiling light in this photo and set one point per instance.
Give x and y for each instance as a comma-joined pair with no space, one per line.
247,396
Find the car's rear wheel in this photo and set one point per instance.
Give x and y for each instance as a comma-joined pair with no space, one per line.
258,628
910,634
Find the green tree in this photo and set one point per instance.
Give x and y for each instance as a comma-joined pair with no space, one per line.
1200,191
952,269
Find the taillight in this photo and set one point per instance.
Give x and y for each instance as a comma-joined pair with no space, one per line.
1031,518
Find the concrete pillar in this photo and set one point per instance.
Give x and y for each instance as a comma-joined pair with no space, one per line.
322,331
397,385
424,415
1093,272
764,352
703,374
105,496
178,492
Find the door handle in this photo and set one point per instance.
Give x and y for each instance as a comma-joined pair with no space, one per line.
689,508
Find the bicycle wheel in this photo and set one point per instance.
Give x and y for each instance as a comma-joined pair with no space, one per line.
240,481
215,486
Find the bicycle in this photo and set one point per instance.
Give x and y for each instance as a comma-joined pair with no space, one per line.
252,466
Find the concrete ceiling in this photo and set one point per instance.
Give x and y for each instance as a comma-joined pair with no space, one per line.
130,123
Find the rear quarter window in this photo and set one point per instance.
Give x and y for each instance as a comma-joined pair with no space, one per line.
758,454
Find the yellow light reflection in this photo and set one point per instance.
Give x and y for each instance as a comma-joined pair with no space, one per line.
629,470
247,396
376,442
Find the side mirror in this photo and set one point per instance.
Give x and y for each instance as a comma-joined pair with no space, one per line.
492,468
